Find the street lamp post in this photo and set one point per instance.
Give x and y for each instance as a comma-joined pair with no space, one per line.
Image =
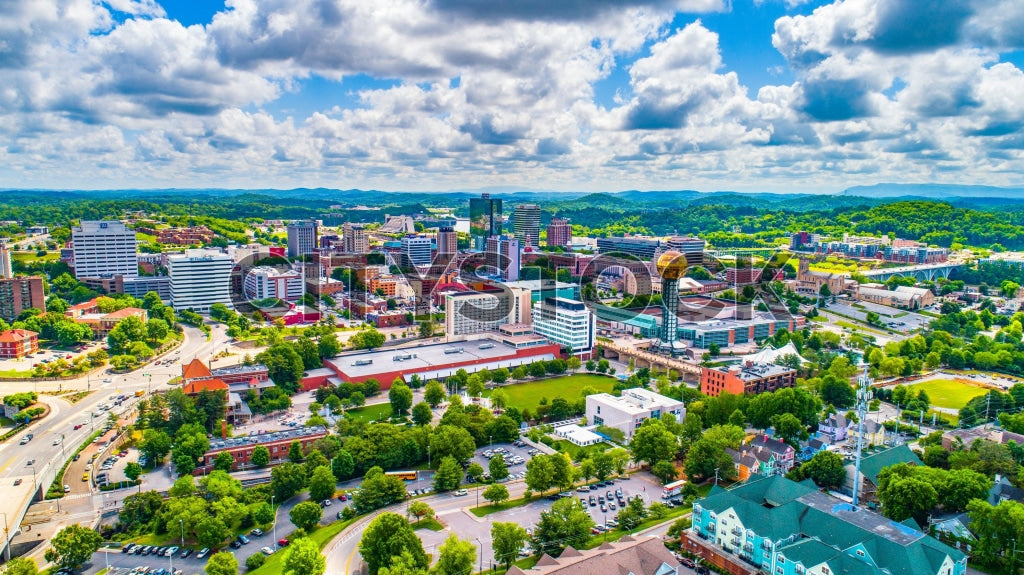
481,554
275,520
182,522
7,540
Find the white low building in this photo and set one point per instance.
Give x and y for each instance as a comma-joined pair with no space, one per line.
577,435
628,412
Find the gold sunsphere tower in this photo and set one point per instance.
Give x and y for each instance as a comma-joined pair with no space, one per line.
671,266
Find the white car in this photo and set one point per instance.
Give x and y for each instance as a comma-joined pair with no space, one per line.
461,492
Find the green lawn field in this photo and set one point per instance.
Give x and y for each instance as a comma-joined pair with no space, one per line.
374,412
528,395
950,393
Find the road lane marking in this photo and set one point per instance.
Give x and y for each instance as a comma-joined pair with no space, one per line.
9,461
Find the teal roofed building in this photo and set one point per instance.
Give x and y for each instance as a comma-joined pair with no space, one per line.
777,526
873,464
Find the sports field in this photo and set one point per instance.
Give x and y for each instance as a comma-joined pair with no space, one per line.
528,395
951,393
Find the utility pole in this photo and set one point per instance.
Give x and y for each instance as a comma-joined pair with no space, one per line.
716,477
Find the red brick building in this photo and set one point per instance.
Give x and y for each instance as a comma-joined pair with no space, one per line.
746,378
277,443
20,293
17,343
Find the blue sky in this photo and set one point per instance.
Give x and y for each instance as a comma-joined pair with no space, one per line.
772,95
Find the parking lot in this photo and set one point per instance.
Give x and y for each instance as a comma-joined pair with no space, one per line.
516,457
477,530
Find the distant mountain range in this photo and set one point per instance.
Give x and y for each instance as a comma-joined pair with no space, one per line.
933,191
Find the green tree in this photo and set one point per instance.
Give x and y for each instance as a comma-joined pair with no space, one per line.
260,456
295,452
367,339
72,546
263,513
21,566
400,397
306,514
540,473
450,440
448,476
378,490
343,466
386,538
497,468
420,509
475,385
434,393
224,461
566,523
653,443
507,540
632,515
421,414
321,484
837,392
903,497
328,346
211,531
496,493
155,445
603,465
826,469
286,480
789,429
705,457
284,365
223,563
132,471
255,561
455,556
665,471
303,558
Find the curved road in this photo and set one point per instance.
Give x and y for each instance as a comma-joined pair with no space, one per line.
55,439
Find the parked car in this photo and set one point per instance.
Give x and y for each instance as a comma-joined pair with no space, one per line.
461,492
186,553
282,542
17,482
243,539
203,552
256,532
267,551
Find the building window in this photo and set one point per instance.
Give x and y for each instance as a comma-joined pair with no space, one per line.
824,570
860,553
782,560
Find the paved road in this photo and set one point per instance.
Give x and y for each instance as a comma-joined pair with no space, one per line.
453,512
55,439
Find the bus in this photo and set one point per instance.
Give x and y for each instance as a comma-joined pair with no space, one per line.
403,475
673,489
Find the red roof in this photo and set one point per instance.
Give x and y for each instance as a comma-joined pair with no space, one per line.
124,313
205,385
16,335
196,368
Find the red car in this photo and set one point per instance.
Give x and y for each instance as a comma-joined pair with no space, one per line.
77,427
282,542
343,497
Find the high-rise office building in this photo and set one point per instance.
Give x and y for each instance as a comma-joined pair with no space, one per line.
526,224
690,246
19,294
415,250
559,233
502,257
6,269
301,238
447,242
354,239
484,219
104,248
566,322
199,279
270,283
